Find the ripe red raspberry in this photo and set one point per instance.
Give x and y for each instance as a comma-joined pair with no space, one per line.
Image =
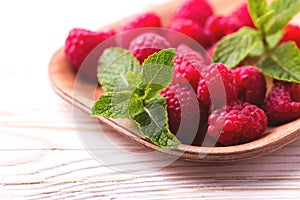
217,81
219,26
241,16
189,28
212,49
146,44
194,56
283,103
132,28
188,64
79,43
292,33
187,116
236,123
296,92
251,85
149,19
196,10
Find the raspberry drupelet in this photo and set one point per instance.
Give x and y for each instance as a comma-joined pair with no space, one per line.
188,64
196,10
79,43
251,85
283,103
187,116
189,28
146,44
217,80
137,25
236,123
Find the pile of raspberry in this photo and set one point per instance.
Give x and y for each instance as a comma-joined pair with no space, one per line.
230,106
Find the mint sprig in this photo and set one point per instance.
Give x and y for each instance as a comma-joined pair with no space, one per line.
152,119
114,65
113,105
284,11
236,47
258,10
133,92
157,72
285,58
262,44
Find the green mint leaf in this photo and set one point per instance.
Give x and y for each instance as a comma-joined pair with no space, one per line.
134,80
257,9
258,49
136,103
157,71
113,105
113,67
264,19
284,11
273,40
151,118
234,48
282,64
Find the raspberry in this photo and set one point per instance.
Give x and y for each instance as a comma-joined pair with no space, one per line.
182,112
131,28
213,81
296,92
189,28
146,44
251,85
196,10
292,33
187,64
212,49
236,123
144,20
241,16
192,55
79,43
283,103
219,26
183,68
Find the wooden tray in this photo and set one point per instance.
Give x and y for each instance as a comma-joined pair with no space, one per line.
82,94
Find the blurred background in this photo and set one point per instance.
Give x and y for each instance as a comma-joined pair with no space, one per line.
32,30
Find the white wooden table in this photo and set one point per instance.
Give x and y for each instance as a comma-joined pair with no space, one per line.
42,155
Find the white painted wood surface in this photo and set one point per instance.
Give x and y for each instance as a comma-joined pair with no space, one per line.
42,156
